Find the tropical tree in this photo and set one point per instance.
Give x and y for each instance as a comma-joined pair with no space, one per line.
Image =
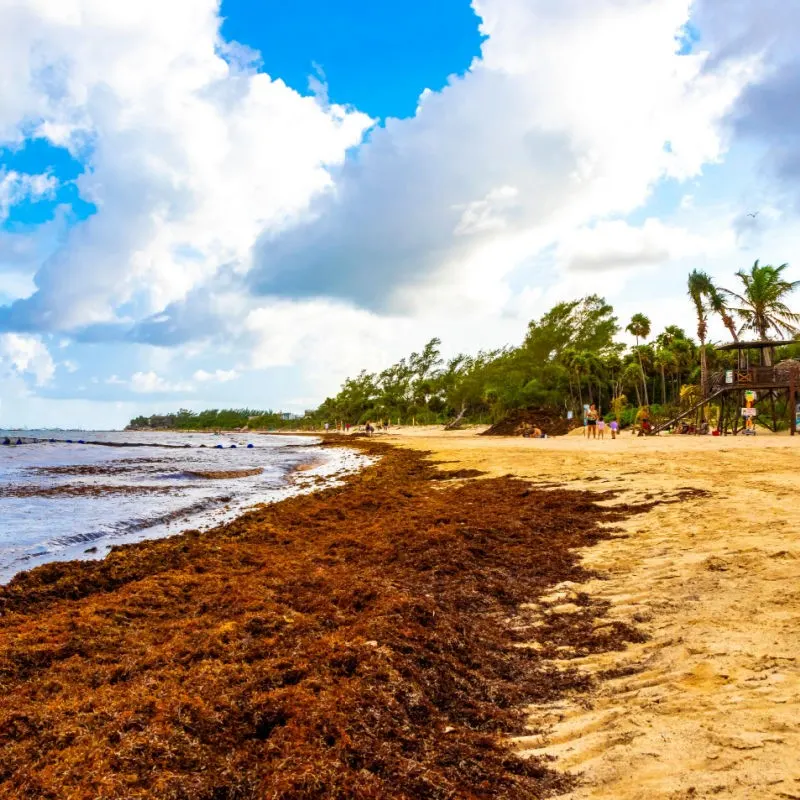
579,364
699,283
665,360
639,327
762,306
632,376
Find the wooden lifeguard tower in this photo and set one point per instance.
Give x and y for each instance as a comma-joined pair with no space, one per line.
768,381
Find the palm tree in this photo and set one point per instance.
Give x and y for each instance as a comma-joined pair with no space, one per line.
639,327
665,360
762,308
699,283
717,304
632,377
581,363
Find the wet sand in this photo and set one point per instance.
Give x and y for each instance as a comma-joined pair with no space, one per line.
709,705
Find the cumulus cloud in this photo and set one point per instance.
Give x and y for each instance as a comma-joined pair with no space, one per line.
768,112
16,187
573,112
149,382
189,155
26,355
617,245
152,383
217,376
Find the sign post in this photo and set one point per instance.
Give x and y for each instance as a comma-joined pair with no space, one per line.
749,413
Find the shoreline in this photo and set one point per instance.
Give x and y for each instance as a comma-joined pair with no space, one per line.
85,480
360,641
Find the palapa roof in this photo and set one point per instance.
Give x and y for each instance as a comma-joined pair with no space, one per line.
762,344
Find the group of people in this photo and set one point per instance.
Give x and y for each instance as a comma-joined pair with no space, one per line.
595,427
369,427
533,432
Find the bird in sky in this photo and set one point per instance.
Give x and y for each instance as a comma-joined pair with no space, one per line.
754,215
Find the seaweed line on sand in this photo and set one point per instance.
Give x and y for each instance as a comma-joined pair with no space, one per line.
360,642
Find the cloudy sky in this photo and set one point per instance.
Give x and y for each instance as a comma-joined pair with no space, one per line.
205,205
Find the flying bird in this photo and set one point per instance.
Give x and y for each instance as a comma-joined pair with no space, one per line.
754,215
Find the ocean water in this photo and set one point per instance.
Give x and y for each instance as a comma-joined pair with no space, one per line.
61,500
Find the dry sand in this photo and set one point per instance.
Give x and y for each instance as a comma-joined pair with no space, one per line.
709,706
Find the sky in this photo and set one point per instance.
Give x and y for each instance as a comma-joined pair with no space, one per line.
207,205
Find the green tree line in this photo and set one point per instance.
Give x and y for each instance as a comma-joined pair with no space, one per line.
569,357
215,419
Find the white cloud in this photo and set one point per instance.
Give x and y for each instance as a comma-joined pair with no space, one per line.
218,375
190,157
616,245
768,113
17,186
21,354
151,382
573,113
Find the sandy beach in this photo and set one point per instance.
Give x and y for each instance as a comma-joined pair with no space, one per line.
709,705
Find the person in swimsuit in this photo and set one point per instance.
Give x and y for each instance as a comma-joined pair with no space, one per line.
591,421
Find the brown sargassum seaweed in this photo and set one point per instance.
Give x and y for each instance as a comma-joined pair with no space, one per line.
354,643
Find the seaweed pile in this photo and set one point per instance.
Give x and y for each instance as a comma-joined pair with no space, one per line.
122,467
227,474
515,423
355,643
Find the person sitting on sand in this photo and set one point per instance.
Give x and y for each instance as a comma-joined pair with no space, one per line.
537,433
591,421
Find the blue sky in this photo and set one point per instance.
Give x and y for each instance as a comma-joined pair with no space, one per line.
376,56
242,205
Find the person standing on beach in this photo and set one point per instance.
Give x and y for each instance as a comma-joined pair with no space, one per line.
601,428
614,425
591,421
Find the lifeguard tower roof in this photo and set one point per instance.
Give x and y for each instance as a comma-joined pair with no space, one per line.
759,345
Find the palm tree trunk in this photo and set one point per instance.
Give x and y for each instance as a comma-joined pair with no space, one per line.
641,367
663,387
763,335
703,370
